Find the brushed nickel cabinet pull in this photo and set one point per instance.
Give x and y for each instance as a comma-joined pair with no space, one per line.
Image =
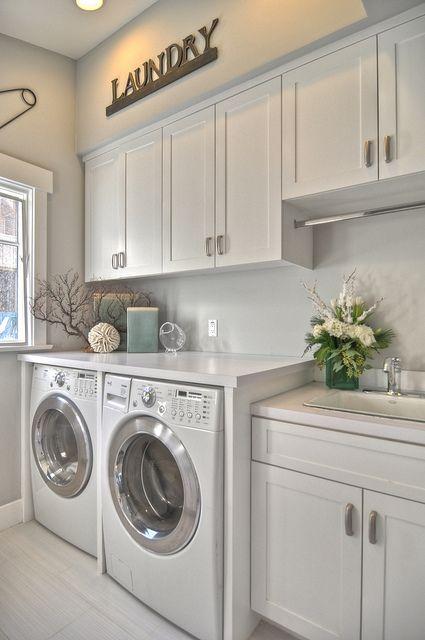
368,153
372,527
115,261
387,148
208,241
349,519
121,259
220,247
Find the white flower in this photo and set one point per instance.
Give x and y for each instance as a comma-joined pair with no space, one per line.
334,327
339,329
364,334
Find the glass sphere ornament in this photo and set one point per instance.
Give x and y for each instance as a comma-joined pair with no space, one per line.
172,337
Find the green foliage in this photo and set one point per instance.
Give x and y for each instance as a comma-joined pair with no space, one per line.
339,331
346,353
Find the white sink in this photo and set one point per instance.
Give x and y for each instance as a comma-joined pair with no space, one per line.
372,404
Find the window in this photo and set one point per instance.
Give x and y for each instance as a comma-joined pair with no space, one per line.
15,264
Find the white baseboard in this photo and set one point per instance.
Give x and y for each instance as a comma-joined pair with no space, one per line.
10,514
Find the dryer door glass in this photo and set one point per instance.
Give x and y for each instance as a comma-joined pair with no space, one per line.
61,446
154,485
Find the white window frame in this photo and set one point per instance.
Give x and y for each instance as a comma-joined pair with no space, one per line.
25,246
31,184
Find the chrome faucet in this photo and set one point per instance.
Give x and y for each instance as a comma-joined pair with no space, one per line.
392,367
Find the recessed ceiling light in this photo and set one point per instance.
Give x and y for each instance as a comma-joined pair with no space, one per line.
89,5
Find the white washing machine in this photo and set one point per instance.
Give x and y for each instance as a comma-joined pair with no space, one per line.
162,498
63,453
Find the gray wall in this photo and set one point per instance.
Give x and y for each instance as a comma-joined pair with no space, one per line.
247,36
45,137
266,311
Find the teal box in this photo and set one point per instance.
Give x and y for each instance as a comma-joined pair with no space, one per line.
142,329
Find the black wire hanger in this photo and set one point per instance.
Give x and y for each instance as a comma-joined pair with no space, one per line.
29,98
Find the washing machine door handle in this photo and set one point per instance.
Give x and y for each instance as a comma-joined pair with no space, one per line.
61,446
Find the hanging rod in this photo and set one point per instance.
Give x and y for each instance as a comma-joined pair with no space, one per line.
358,214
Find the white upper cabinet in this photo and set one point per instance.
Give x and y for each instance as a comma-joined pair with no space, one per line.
402,99
306,553
248,186
104,214
393,568
189,203
330,121
143,200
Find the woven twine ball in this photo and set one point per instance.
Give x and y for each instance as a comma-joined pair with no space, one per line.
104,338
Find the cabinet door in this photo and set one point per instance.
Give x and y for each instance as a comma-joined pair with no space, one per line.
143,192
306,568
393,569
189,192
330,127
104,214
249,201
402,99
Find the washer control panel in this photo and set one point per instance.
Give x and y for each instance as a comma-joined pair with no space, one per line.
73,382
179,404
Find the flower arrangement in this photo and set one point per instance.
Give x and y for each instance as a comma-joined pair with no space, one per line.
345,342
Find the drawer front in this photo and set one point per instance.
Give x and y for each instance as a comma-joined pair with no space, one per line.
372,463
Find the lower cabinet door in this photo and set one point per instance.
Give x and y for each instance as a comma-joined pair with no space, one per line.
393,568
306,553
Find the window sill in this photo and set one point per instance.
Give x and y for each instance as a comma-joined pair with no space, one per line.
22,348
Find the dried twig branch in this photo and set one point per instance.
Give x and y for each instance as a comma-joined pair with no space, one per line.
66,301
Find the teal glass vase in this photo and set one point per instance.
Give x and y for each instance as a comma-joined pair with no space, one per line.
339,379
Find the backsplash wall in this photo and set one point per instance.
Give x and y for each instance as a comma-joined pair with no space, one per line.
266,311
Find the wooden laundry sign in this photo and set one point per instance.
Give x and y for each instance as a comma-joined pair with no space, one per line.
174,62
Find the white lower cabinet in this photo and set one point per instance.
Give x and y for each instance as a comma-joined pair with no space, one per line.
330,560
393,568
306,553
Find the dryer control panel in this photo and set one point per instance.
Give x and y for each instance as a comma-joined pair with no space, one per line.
200,407
72,382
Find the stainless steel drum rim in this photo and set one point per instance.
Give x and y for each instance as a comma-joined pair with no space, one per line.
58,403
134,438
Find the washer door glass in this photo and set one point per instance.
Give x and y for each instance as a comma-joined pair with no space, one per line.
61,446
154,485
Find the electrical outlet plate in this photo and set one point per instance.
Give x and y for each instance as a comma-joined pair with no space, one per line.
212,328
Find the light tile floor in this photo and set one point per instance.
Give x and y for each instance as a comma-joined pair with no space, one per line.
49,590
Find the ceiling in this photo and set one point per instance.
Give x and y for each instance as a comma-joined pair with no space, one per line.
59,25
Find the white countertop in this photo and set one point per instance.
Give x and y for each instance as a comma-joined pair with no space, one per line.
289,407
218,369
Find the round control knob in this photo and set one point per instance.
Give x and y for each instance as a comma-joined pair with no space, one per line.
198,416
174,412
60,379
189,415
181,414
148,396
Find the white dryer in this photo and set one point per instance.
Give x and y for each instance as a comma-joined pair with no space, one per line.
63,453
162,498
